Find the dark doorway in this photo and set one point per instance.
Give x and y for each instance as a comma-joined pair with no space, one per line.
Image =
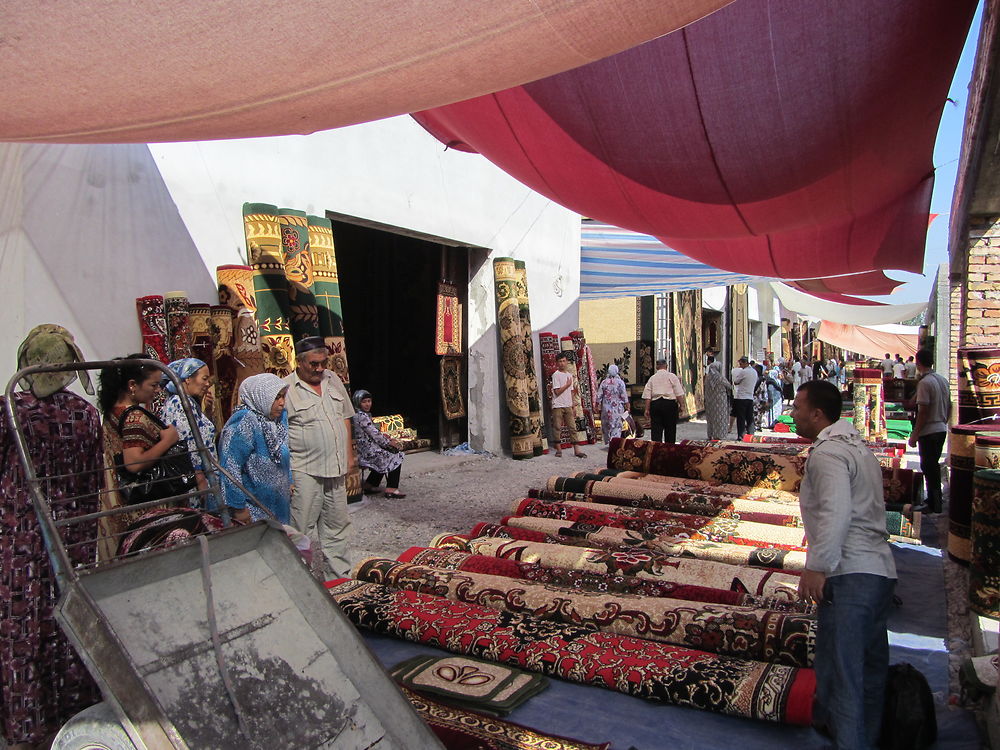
388,288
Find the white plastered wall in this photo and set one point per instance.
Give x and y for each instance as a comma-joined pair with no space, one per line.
84,230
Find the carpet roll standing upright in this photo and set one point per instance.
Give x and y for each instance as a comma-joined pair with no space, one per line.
176,307
236,293
303,316
869,406
984,563
580,419
540,444
263,236
153,326
512,357
548,350
962,462
202,347
223,362
583,367
326,290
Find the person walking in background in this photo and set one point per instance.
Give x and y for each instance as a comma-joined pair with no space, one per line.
931,427
322,454
910,371
613,398
744,379
662,394
563,384
849,572
718,394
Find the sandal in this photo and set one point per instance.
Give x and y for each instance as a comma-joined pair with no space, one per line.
394,495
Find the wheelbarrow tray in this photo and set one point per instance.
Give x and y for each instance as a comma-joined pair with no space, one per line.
300,672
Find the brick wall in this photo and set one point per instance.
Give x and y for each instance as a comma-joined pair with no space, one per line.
975,294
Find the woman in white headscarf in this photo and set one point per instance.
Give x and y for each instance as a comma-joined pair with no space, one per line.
613,398
254,448
718,391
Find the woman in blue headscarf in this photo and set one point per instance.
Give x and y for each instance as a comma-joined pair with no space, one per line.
254,449
195,380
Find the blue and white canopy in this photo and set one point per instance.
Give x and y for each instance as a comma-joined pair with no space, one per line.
616,262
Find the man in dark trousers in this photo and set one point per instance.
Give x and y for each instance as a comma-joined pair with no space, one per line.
931,427
849,571
662,395
744,379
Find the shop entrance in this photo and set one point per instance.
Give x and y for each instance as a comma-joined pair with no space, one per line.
388,287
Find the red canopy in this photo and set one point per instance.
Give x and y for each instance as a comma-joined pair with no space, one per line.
774,137
146,70
871,282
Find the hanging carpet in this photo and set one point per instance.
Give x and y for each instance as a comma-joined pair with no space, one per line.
236,292
686,341
582,435
654,671
743,632
583,368
448,331
548,350
452,402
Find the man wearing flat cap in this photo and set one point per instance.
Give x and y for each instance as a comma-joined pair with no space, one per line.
319,440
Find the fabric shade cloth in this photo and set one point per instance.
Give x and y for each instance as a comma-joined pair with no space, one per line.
332,75
747,633
862,315
616,262
870,341
870,282
792,163
655,671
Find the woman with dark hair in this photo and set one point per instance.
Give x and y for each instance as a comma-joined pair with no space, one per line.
374,450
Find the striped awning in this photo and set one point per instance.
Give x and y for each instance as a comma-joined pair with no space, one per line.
616,262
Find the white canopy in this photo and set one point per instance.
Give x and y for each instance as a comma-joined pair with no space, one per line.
863,315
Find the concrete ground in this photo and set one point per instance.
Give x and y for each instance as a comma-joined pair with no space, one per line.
453,493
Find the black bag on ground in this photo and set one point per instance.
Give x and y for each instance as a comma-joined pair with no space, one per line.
908,720
172,474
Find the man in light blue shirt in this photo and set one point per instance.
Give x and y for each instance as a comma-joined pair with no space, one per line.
849,571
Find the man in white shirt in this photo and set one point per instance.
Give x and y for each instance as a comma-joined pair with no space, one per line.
744,379
899,368
931,427
849,570
911,368
661,394
887,365
563,384
796,374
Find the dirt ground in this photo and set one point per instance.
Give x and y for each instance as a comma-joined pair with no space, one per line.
453,493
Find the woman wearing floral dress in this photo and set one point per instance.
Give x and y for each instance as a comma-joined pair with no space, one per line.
375,450
254,448
42,680
718,397
613,398
195,380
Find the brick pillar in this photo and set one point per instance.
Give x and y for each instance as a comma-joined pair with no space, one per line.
982,284
956,298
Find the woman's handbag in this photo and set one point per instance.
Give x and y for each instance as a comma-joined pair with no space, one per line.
172,474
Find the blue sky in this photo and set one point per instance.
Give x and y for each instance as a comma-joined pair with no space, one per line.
946,151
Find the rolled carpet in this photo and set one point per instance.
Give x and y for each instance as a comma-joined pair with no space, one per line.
743,632
759,511
680,484
655,671
583,580
664,523
580,534
639,563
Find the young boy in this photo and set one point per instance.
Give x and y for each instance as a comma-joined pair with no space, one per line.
563,384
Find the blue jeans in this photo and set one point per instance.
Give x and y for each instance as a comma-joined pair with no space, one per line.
852,658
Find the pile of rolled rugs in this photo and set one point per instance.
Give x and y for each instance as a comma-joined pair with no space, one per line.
670,575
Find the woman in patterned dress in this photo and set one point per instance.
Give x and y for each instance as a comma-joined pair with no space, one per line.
195,379
42,680
613,398
374,450
254,448
718,393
